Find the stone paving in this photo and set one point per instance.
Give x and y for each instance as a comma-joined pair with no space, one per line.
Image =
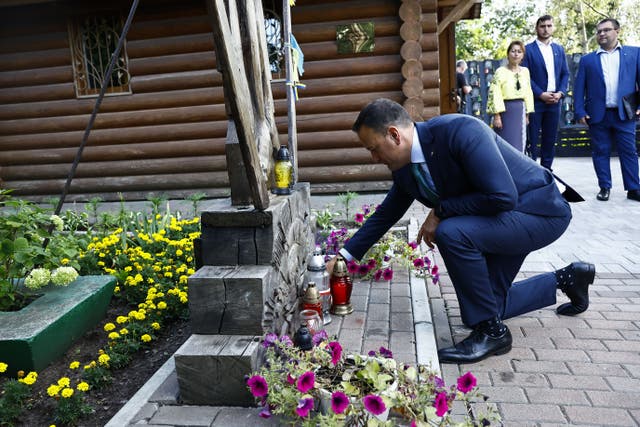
582,370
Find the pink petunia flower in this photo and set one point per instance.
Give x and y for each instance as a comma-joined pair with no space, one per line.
258,386
413,245
418,263
441,404
363,269
336,352
291,379
374,404
359,218
339,402
377,275
372,263
306,381
269,340
413,423
352,266
304,407
387,274
434,270
467,382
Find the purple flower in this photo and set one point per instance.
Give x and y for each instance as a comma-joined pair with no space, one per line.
319,336
439,382
359,218
441,404
386,258
413,245
363,269
435,279
306,381
418,263
304,406
339,402
352,266
378,275
258,386
291,379
336,352
372,263
427,261
434,270
413,423
286,340
269,340
374,404
366,209
265,413
387,274
467,382
384,352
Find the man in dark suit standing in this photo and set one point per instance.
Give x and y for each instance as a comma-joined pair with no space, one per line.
604,78
547,64
491,206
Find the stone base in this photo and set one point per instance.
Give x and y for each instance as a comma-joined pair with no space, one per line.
211,369
33,337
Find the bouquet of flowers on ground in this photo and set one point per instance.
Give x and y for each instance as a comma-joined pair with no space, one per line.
324,387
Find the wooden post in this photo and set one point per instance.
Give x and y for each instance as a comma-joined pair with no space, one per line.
291,99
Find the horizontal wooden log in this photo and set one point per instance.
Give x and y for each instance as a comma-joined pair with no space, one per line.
341,67
35,59
345,156
37,93
337,139
319,123
357,186
344,174
163,46
430,112
411,31
329,50
173,63
171,194
348,10
431,79
132,135
429,42
190,114
431,97
149,150
137,101
321,31
334,103
430,60
176,81
345,85
411,69
410,88
177,26
38,76
31,42
411,50
410,11
156,183
176,165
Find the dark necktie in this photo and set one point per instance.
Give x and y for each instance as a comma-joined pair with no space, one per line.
425,183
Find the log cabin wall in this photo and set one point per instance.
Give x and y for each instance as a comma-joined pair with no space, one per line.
167,136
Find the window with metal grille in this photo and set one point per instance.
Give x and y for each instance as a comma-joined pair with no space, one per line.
93,39
272,10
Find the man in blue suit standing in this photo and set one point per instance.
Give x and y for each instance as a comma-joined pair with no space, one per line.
547,64
491,207
604,78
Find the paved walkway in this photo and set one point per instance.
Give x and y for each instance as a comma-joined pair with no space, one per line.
583,370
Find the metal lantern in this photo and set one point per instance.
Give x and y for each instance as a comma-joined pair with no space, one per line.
341,287
317,273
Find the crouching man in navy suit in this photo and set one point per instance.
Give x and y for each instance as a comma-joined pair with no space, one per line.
491,207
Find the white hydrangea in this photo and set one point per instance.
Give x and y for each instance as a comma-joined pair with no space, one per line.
57,222
38,278
62,276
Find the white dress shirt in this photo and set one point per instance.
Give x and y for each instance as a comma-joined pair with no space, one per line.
610,62
549,63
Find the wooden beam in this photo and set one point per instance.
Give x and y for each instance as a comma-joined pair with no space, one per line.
457,13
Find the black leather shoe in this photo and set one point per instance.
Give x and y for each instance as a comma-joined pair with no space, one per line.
603,195
634,195
477,346
578,291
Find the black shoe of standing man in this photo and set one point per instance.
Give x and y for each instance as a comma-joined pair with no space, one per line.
603,195
634,195
574,280
490,337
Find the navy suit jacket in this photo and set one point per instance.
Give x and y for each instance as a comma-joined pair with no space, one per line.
476,173
589,89
534,61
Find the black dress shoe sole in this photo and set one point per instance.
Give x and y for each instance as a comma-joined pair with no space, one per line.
462,361
568,309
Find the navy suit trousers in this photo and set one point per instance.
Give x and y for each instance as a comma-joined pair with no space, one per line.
483,255
543,129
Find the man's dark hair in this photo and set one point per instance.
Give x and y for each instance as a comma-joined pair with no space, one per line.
378,115
544,18
614,22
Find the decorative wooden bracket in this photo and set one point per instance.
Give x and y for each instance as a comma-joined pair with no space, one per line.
241,57
459,11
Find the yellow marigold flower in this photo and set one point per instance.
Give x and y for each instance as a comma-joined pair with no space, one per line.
109,327
179,252
30,379
140,316
74,365
53,390
64,261
122,319
114,336
168,274
146,338
155,325
83,386
162,305
128,268
104,359
124,331
67,393
116,290
152,290
101,351
183,300
101,264
3,367
64,382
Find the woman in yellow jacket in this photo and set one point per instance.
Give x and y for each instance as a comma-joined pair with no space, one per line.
511,98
